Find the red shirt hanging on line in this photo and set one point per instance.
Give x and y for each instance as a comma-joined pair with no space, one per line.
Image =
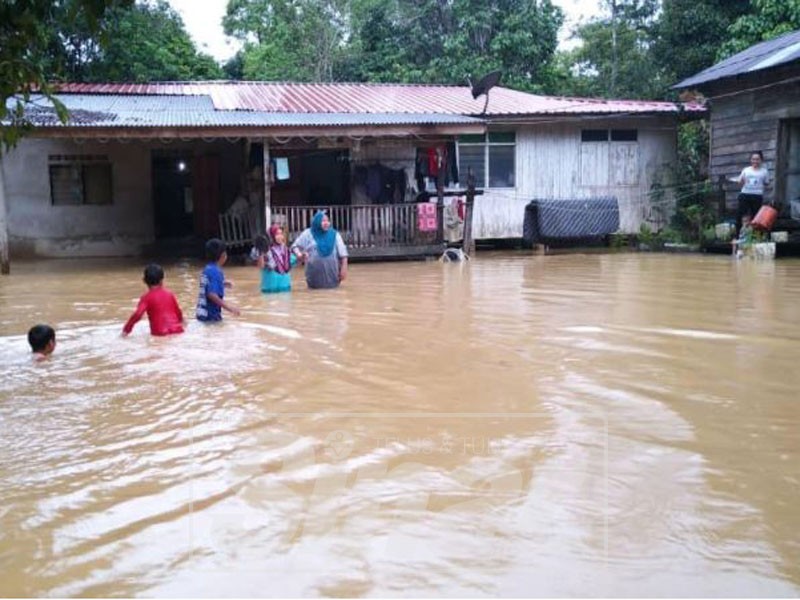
162,310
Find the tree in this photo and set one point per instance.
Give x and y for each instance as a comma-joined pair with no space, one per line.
143,42
615,55
298,40
689,34
767,19
396,40
446,41
26,39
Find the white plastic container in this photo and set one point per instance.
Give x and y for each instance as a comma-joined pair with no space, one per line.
779,236
794,209
724,231
763,250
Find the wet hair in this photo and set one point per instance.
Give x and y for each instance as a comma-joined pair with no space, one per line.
39,336
215,248
759,152
153,274
261,243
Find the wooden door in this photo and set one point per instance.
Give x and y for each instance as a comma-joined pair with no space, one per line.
205,195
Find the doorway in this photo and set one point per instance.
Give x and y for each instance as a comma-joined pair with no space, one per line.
788,172
316,177
172,196
186,195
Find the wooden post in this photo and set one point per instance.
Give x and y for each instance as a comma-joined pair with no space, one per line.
5,263
244,186
440,195
469,243
721,204
267,189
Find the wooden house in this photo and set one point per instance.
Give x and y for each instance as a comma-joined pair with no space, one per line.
138,165
754,101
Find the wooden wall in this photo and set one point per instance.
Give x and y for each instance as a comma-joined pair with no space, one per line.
743,121
552,162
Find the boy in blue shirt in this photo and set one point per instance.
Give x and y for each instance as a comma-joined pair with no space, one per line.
212,284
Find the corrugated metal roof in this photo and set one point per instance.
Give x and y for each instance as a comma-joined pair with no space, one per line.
778,51
115,110
368,98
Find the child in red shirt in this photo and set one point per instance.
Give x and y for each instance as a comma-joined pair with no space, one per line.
160,305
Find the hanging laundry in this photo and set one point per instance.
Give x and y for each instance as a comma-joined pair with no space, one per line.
426,217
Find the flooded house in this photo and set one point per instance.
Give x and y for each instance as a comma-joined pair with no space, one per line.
754,100
146,165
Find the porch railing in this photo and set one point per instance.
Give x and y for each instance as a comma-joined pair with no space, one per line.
235,229
363,226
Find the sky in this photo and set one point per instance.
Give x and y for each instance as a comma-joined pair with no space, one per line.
205,24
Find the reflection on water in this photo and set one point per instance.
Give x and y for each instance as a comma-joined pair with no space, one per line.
568,425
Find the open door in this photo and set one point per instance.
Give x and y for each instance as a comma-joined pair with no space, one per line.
206,195
172,196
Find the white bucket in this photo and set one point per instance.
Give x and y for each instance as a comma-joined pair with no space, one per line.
794,209
762,250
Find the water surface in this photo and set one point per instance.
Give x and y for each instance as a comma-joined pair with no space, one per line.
517,426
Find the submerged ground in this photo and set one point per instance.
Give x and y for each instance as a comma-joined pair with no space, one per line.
563,425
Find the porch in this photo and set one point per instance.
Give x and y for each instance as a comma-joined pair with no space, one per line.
408,230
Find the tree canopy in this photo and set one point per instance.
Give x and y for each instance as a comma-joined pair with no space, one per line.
767,19
396,40
46,41
143,42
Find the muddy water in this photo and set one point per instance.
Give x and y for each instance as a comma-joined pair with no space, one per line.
568,425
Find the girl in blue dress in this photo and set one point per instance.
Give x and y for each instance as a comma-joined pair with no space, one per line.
275,261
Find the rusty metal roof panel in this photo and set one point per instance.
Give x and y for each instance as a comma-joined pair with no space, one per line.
368,98
122,110
772,53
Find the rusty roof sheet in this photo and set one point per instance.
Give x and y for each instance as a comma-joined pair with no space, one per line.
120,110
371,98
772,53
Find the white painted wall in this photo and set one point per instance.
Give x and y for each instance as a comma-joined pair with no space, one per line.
38,228
549,160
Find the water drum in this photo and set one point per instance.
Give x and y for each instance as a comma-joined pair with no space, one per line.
765,218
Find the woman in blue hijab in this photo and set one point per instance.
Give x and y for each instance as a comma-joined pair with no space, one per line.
324,252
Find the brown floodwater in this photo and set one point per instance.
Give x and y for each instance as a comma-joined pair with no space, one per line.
517,426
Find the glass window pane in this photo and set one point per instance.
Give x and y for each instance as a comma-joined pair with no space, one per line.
624,135
471,139
502,137
66,186
97,183
474,157
594,135
501,166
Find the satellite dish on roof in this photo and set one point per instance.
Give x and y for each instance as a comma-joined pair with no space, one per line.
485,83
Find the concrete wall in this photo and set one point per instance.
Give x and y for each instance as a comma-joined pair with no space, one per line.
37,228
552,162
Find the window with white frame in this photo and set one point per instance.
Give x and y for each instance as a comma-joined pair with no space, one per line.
80,179
490,156
609,157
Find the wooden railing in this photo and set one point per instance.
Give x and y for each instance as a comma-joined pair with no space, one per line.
235,229
363,226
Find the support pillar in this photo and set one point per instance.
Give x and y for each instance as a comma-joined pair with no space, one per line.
5,262
469,243
267,188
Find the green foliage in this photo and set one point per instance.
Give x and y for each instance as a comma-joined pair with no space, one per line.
689,33
401,40
297,40
768,19
693,152
144,42
695,217
28,32
614,58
